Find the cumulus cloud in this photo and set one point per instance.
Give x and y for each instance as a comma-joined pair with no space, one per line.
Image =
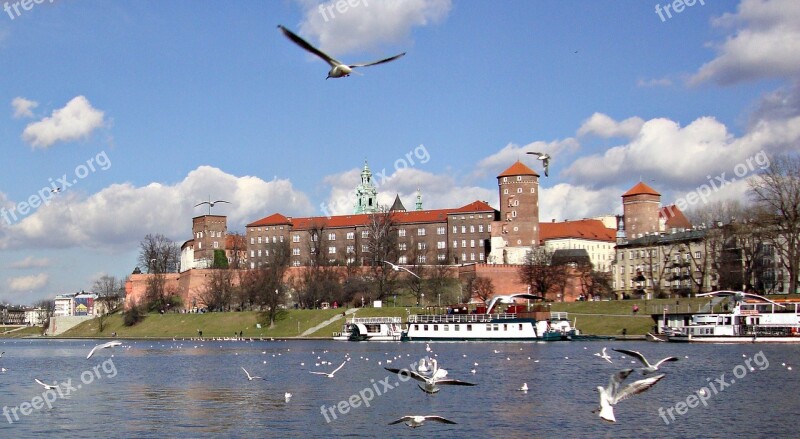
120,215
27,283
367,25
602,125
30,262
566,201
23,107
766,43
77,120
499,161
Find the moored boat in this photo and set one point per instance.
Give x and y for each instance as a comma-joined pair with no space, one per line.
371,329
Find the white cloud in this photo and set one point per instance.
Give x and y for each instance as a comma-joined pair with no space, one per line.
570,202
604,126
368,24
660,82
120,215
23,107
766,43
27,283
497,162
30,262
75,121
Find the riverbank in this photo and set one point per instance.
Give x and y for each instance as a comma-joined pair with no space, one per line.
609,318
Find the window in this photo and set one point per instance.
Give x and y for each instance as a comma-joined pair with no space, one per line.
480,228
350,249
505,191
464,243
455,243
455,229
273,238
463,229
295,263
440,230
421,232
519,190
331,237
422,245
259,253
697,255
441,257
259,240
364,248
480,256
295,251
295,238
513,213
472,243
402,260
421,259
401,246
463,256
440,245
519,178
216,244
469,327
456,327
253,240
313,237
331,250
351,235
401,232
365,233
252,253
472,256
471,229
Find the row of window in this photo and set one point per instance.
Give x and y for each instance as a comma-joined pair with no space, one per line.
457,327
647,253
211,234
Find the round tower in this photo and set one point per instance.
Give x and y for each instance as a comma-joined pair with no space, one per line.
640,206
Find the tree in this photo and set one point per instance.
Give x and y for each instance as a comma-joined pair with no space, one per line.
220,260
538,272
776,191
217,293
484,288
109,294
381,245
159,254
265,283
48,307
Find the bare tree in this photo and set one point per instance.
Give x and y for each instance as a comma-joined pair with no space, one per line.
539,273
109,294
48,307
484,288
159,254
237,249
777,192
266,283
217,294
382,246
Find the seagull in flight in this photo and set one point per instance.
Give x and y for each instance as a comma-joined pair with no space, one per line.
110,344
648,368
604,355
545,158
524,387
613,394
438,377
417,421
338,69
396,267
211,204
55,190
45,385
249,377
330,375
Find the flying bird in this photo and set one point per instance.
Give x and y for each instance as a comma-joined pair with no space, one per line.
211,204
396,267
338,69
437,378
613,394
604,355
45,385
55,190
249,377
524,387
545,158
648,368
330,375
110,344
417,421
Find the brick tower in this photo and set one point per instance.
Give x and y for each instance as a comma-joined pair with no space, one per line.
209,234
640,207
518,227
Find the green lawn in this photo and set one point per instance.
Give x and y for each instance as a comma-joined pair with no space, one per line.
25,332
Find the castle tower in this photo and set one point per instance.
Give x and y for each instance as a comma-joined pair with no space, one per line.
518,227
640,207
366,193
419,200
209,234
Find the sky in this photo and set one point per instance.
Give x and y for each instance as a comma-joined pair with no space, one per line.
139,110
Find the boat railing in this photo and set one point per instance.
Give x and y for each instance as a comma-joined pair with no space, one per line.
375,320
559,315
458,318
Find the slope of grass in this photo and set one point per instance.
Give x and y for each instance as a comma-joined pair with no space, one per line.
25,332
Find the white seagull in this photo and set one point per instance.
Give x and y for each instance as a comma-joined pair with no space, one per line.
55,190
110,344
438,377
417,421
251,378
330,375
545,158
45,385
604,355
396,267
287,396
648,368
524,387
613,394
338,68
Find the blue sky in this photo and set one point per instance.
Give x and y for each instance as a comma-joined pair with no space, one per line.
159,105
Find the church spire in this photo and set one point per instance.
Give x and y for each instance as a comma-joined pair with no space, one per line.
419,200
366,193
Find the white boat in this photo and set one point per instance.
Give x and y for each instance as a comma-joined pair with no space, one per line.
371,329
754,319
513,325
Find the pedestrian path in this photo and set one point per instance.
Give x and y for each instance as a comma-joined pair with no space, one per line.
310,331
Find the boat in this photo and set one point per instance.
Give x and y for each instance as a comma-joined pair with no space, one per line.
753,319
371,329
517,323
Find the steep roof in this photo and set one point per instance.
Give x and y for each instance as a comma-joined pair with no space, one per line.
272,220
591,229
475,206
397,205
640,189
674,217
518,168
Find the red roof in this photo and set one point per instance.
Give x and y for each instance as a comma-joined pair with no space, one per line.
517,168
641,189
362,219
581,229
674,217
272,220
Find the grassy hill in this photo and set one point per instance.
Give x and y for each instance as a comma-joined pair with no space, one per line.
11,332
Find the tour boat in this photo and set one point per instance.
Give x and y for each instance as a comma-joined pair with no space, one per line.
754,319
371,329
518,323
